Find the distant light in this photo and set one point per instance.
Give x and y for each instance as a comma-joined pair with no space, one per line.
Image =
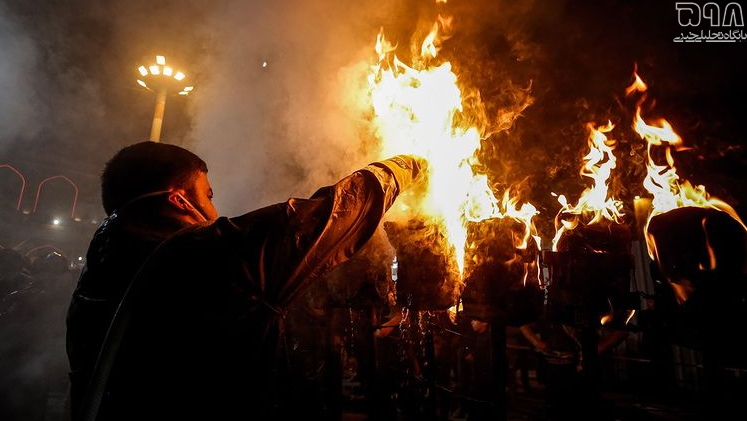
25,212
183,93
160,60
637,197
179,76
80,258
76,219
168,71
264,64
141,83
155,70
143,71
188,88
56,222
93,221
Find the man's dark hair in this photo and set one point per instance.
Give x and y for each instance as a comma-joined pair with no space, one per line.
144,168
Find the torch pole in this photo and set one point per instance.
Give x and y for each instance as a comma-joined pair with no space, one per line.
498,366
155,130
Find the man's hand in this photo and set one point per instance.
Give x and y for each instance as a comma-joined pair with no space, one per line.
407,169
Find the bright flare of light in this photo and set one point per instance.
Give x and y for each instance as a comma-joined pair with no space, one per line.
415,109
143,71
183,93
56,222
141,83
595,202
160,60
188,88
168,71
179,76
155,70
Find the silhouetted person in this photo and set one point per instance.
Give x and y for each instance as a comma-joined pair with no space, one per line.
149,191
200,331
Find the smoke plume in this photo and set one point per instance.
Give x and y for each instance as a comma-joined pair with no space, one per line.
19,99
278,113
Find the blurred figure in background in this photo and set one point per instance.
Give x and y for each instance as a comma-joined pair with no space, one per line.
33,367
55,282
19,377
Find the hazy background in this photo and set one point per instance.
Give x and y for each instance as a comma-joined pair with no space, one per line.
69,101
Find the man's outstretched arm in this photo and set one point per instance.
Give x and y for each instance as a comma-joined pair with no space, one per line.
325,230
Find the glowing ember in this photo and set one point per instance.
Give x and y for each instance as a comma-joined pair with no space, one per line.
630,316
595,202
417,111
453,311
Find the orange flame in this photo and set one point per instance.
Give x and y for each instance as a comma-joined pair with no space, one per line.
454,310
638,84
428,49
662,180
414,113
595,201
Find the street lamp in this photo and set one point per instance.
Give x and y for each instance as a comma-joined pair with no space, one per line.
162,80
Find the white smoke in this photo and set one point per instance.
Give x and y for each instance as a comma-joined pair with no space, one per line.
18,94
276,113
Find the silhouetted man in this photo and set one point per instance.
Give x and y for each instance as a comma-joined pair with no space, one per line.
199,332
149,191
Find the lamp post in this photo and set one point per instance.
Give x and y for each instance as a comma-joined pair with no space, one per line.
162,80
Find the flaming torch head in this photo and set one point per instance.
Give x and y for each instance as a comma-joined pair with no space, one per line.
691,235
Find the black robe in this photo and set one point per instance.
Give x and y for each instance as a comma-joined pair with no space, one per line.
200,332
118,249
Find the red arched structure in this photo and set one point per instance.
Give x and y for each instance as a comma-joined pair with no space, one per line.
55,177
46,246
23,183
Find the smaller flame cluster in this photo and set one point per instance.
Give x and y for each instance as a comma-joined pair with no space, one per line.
662,181
419,109
595,202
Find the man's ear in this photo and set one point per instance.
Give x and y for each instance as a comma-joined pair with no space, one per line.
176,199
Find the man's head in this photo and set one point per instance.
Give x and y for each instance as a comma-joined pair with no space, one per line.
149,167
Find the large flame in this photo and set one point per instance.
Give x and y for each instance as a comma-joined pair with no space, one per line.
418,110
595,202
662,180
